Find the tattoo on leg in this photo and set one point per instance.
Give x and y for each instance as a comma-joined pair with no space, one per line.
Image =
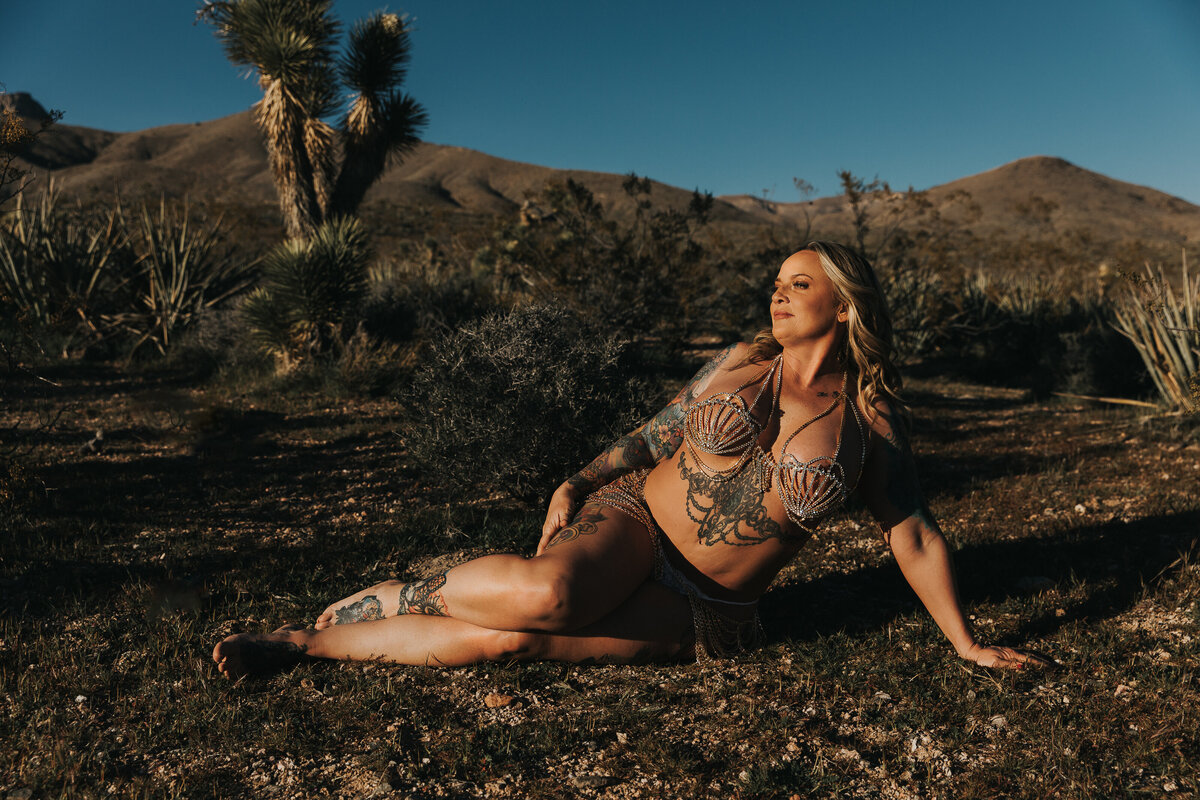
584,524
424,597
367,608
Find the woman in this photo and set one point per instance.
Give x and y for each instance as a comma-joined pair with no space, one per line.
660,548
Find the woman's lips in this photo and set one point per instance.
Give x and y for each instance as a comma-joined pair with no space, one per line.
780,314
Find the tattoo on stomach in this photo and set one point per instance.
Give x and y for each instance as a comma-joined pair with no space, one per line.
729,511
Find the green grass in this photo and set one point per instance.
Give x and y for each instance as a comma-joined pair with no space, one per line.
209,511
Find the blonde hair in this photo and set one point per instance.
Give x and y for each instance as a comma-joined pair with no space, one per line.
868,340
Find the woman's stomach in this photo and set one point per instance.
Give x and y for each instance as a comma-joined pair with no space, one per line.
735,536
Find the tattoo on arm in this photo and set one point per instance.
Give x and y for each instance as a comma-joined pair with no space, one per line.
367,608
626,454
584,524
650,444
424,597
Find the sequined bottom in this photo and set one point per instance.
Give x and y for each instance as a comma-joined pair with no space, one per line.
717,635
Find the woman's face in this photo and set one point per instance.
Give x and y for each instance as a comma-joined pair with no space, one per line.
804,305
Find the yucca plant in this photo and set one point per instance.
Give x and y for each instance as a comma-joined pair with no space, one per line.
183,270
65,268
308,289
290,45
1164,326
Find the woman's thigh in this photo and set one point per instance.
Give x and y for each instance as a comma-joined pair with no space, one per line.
599,560
652,624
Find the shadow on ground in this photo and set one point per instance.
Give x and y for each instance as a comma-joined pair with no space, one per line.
1117,560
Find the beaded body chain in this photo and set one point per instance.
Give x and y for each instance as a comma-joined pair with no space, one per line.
724,425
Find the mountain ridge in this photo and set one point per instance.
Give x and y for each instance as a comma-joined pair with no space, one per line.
224,160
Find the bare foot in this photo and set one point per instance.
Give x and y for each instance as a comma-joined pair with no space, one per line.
245,654
368,604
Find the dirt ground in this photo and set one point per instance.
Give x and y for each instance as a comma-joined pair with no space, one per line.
150,517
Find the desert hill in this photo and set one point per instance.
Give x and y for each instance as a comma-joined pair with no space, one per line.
1038,196
224,160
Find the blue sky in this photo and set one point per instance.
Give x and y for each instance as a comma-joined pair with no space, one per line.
726,97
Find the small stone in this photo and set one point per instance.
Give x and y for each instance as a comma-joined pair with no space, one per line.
622,738
1169,785
80,698
498,700
744,776
998,721
20,794
1080,508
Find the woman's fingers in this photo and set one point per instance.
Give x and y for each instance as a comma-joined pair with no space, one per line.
1010,658
555,521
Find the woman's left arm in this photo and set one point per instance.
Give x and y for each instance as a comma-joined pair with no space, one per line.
892,493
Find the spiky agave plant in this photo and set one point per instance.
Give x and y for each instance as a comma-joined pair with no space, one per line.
308,289
291,44
183,271
61,267
1164,326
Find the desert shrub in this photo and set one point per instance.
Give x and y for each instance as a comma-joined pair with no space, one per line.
1098,360
644,277
418,300
1163,323
184,269
94,278
1043,334
309,289
518,402
922,301
63,268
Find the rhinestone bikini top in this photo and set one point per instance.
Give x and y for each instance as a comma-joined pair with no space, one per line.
724,425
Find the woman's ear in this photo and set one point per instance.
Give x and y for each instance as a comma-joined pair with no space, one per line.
843,313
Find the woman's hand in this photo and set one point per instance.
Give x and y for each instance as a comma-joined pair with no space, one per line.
1004,657
558,516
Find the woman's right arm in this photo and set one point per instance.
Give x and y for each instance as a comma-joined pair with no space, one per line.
651,443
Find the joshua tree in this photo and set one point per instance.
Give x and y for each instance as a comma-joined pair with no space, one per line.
291,45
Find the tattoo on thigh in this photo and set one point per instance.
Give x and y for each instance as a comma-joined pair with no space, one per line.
424,597
367,608
584,524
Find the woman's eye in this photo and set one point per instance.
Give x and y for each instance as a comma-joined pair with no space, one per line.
800,285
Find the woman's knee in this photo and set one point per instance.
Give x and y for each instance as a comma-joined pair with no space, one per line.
551,600
515,646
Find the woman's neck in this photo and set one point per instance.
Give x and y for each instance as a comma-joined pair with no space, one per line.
812,366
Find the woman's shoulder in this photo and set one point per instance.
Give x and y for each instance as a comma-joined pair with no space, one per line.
885,420
727,359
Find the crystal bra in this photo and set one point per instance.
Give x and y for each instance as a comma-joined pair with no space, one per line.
725,425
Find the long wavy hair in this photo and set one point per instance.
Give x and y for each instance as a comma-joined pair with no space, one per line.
868,342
